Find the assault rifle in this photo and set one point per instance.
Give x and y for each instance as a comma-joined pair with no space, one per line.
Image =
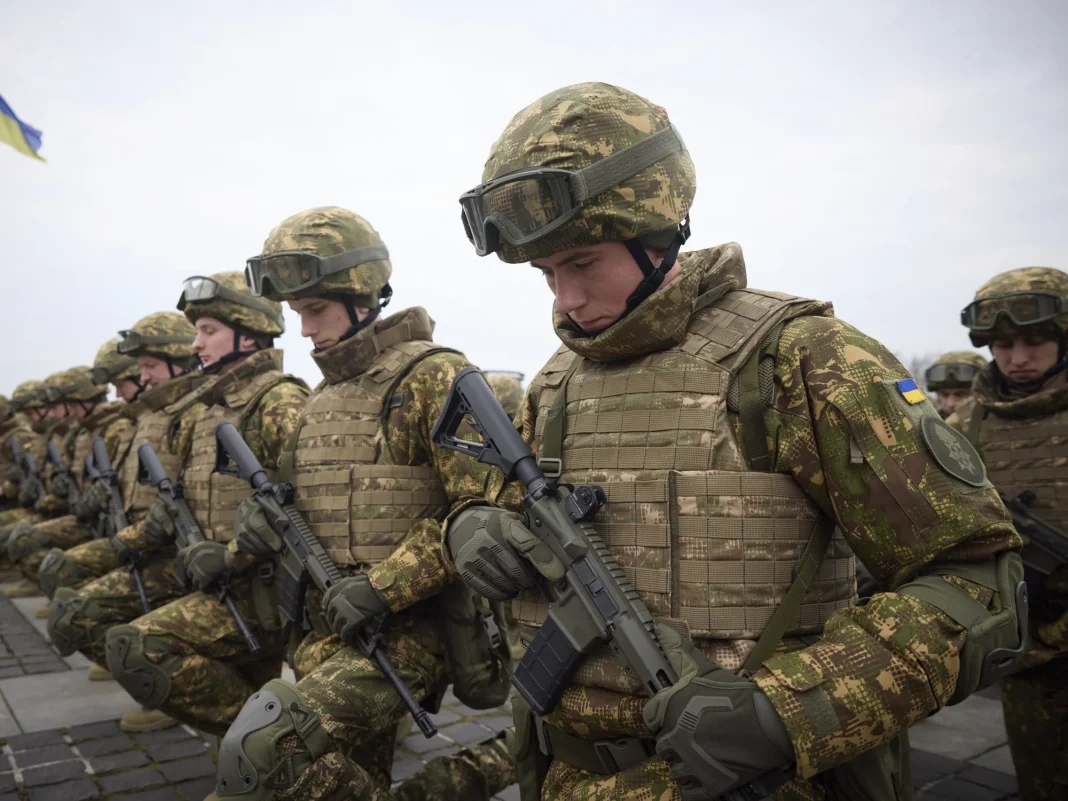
90,475
303,558
1047,547
27,466
187,532
64,469
116,512
595,604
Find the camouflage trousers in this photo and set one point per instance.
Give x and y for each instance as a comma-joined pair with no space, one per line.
80,620
1036,719
360,710
196,643
76,566
60,532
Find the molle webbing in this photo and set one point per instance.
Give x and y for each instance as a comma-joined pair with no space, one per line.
213,497
359,505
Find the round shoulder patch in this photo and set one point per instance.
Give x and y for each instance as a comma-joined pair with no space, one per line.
952,451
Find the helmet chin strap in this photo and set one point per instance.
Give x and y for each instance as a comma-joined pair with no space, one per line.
234,355
349,302
653,276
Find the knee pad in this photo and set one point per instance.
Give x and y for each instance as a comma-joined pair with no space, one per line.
147,683
20,542
67,635
50,570
252,764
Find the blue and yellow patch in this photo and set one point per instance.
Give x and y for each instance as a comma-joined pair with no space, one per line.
909,391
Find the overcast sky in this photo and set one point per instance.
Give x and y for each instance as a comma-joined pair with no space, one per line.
887,156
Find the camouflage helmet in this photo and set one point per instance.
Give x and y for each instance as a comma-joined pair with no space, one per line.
226,298
317,234
508,387
6,409
163,334
1038,292
75,384
954,370
110,365
575,127
28,395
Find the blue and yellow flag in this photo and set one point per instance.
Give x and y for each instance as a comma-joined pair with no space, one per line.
912,393
24,138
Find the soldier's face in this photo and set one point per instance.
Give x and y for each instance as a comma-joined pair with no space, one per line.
35,414
56,411
154,371
324,321
126,389
949,399
591,284
1023,358
215,339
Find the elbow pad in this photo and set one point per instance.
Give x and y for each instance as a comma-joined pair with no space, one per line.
995,641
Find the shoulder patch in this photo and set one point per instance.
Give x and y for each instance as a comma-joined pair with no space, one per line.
952,451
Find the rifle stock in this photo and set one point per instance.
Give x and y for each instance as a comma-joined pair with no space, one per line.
303,557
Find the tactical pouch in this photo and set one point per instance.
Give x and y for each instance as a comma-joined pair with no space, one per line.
531,764
477,647
995,643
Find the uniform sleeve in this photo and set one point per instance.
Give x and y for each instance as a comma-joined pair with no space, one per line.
113,436
417,569
867,452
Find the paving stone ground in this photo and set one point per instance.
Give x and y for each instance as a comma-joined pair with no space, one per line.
960,753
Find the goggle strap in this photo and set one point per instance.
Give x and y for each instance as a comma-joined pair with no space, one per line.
613,170
132,340
241,300
352,258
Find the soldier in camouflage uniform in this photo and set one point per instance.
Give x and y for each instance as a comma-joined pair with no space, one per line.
30,409
1018,420
92,416
79,620
373,489
507,386
188,658
731,429
951,376
92,559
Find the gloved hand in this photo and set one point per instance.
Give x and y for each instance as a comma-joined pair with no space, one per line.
715,729
159,522
205,562
253,533
28,494
95,499
494,552
126,554
62,485
350,605
20,542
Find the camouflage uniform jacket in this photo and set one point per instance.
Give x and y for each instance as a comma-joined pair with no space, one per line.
16,426
840,428
166,420
1023,440
363,463
75,445
264,404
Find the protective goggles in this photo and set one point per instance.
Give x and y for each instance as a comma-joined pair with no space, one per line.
102,375
52,394
201,288
526,205
1022,308
951,373
290,271
133,341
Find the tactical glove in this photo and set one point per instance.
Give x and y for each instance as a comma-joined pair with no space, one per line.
159,522
126,554
494,552
95,500
205,562
62,485
20,542
716,730
28,494
350,605
253,533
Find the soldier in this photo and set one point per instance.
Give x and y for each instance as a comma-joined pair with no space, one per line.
1017,419
507,385
30,415
81,563
89,414
79,620
731,429
188,658
373,489
951,376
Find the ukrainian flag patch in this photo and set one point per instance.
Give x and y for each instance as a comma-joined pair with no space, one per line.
909,391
